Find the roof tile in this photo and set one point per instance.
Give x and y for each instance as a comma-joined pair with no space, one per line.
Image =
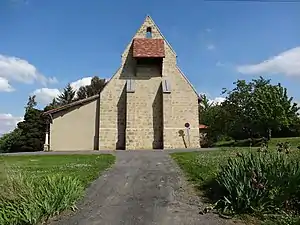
147,47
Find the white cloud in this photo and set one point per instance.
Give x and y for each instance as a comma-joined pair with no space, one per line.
217,100
5,86
8,122
287,63
211,47
45,95
81,82
19,70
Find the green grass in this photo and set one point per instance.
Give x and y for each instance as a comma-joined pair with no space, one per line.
294,141
34,188
202,168
85,167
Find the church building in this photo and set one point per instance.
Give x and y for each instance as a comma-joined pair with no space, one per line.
147,104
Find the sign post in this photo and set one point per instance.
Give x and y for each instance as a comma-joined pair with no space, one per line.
187,126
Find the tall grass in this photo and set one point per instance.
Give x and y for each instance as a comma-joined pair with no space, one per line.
256,182
29,200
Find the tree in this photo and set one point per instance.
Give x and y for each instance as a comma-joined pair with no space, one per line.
257,108
54,104
236,107
82,92
204,103
31,103
213,116
33,130
67,96
96,86
273,110
9,142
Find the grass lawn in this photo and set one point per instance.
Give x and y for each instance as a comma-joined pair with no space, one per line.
84,167
36,187
294,141
201,168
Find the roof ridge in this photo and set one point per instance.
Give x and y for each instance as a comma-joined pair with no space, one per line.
148,16
71,104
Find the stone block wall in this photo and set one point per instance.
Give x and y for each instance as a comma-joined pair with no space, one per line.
111,111
144,112
148,118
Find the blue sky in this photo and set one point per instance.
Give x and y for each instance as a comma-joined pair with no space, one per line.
46,44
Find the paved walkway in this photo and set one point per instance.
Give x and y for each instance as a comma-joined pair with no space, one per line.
142,188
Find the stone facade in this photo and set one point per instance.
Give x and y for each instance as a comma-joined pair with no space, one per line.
148,118
135,109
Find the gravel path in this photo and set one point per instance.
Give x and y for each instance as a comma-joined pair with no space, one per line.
142,188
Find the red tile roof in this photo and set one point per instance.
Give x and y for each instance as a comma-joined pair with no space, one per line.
202,126
147,47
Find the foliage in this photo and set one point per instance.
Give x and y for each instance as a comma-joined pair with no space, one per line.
9,141
38,186
259,182
272,109
203,167
31,103
33,128
29,134
54,104
213,116
252,109
67,96
24,200
96,86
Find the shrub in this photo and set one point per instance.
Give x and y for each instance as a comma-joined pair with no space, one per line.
9,141
25,200
259,182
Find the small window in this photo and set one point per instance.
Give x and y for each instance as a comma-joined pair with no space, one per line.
166,86
149,32
130,86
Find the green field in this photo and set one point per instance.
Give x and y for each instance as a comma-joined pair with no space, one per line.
37,187
201,168
84,167
294,141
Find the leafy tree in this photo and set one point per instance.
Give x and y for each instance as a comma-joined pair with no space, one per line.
273,110
54,104
257,108
82,92
67,96
33,128
237,106
31,103
96,86
204,103
213,116
9,142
